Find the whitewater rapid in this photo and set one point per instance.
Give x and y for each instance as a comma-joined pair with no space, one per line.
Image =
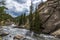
25,33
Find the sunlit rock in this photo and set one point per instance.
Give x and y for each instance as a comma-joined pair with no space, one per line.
56,33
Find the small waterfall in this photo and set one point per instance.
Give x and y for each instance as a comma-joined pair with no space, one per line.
29,33
13,25
32,34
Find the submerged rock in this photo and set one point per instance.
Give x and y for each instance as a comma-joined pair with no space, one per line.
4,34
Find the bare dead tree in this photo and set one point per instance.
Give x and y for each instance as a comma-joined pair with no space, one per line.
41,1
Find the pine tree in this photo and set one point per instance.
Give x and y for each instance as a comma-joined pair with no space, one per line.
31,17
3,15
24,18
2,10
37,22
20,20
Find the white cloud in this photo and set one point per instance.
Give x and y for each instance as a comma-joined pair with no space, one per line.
13,5
13,15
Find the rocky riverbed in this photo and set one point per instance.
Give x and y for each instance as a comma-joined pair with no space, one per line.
10,33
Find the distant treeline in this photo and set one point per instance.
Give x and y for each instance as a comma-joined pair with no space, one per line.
4,17
33,20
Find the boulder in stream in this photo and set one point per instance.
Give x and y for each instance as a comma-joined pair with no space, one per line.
3,33
18,37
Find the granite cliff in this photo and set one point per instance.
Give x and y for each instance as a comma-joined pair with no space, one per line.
50,15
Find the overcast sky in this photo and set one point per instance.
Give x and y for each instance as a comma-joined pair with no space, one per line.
17,7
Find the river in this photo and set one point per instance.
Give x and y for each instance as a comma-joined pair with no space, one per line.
25,33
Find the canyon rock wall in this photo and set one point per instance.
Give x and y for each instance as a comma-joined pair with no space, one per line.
50,15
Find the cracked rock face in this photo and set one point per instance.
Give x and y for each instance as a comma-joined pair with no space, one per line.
53,23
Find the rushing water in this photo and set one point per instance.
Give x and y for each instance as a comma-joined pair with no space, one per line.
25,33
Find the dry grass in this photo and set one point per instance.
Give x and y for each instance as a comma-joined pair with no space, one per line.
0,38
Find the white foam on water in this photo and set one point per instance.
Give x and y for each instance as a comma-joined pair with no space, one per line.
23,32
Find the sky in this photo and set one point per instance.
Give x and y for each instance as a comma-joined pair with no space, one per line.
17,7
